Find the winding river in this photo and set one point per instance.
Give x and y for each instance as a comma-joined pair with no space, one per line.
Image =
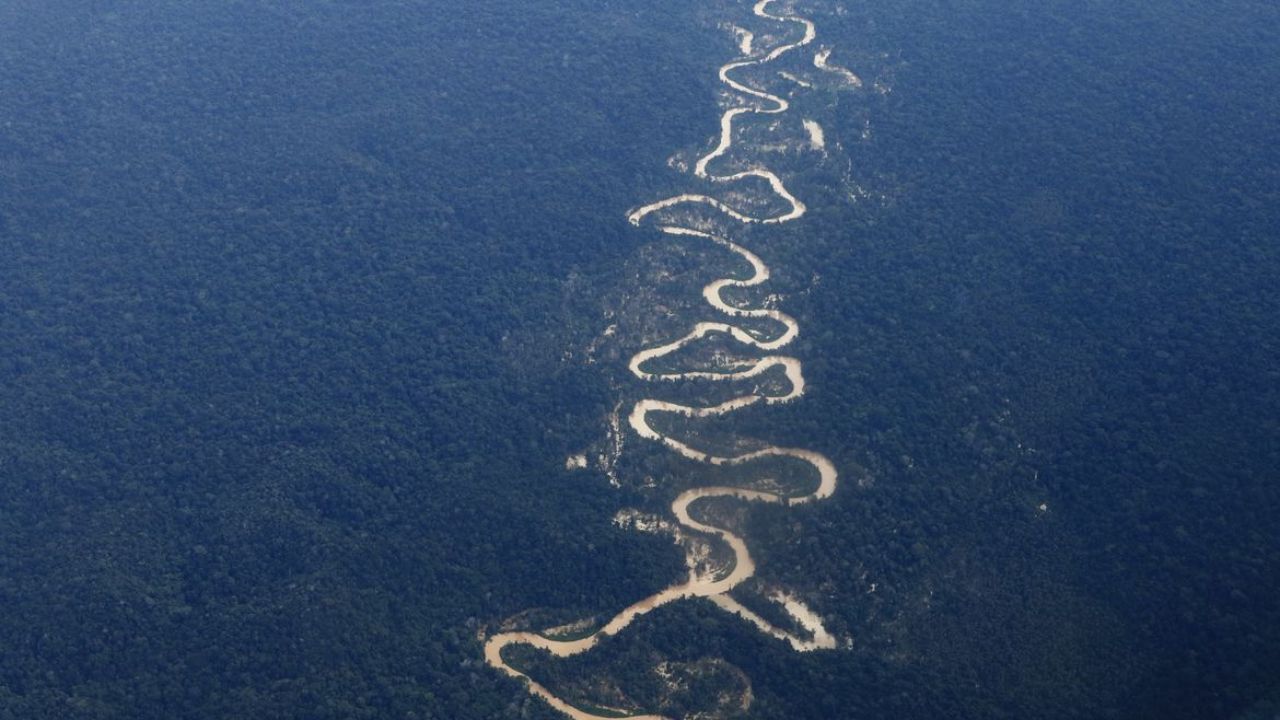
716,586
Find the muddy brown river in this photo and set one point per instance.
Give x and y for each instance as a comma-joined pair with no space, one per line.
716,585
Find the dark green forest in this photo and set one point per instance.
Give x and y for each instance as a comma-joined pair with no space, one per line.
293,298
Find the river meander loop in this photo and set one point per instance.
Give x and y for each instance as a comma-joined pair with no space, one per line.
715,586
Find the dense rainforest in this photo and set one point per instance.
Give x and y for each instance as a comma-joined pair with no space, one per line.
302,307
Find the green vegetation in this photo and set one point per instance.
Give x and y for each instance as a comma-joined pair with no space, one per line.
286,294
